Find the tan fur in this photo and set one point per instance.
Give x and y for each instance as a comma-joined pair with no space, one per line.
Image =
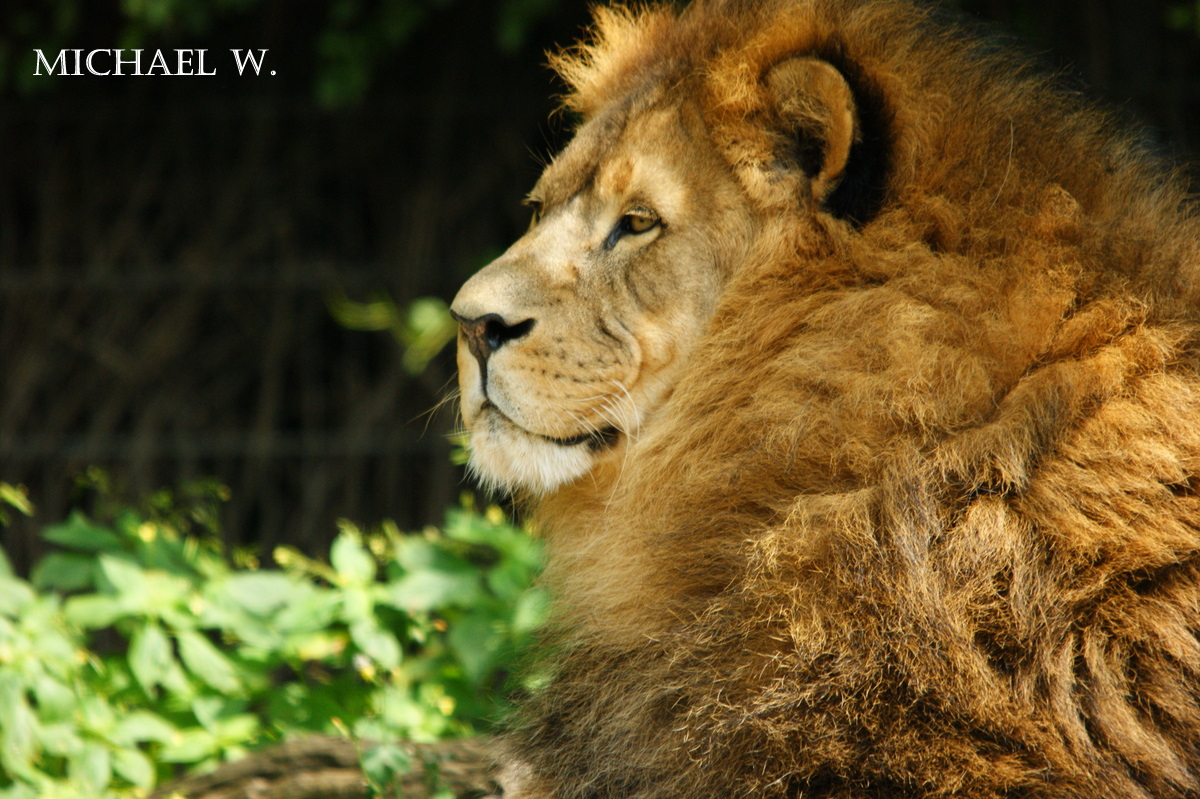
913,511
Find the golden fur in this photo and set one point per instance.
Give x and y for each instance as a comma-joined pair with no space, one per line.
912,508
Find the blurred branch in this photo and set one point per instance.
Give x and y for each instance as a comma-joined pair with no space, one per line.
16,497
423,329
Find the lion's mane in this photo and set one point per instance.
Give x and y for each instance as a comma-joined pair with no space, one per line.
920,517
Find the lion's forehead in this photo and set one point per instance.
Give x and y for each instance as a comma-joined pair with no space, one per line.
647,157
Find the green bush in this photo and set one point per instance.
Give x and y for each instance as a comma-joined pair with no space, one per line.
140,648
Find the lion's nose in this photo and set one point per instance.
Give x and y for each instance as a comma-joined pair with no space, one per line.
488,333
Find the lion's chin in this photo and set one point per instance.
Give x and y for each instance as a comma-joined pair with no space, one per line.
507,457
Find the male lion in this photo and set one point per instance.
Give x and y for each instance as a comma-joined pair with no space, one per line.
850,368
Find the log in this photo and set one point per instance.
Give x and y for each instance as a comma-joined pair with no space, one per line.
325,767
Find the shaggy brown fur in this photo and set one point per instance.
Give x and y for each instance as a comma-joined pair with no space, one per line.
920,517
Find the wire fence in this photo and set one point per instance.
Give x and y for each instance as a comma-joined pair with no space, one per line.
164,304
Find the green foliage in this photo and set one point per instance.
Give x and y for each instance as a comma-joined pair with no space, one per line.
357,36
139,647
423,329
1184,15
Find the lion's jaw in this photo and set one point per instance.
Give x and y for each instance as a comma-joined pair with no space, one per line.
572,339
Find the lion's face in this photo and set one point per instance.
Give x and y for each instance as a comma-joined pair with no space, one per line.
572,339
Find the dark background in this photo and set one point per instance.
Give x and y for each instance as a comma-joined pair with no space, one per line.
170,247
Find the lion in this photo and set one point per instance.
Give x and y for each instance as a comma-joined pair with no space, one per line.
848,369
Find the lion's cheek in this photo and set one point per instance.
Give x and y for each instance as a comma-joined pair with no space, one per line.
664,347
525,397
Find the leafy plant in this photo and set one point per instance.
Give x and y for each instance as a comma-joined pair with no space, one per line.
140,648
422,329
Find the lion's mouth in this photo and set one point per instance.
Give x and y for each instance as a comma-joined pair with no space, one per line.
596,440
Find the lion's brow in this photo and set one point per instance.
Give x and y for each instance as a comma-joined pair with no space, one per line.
562,192
576,169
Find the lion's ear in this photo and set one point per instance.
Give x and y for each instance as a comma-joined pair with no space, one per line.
815,106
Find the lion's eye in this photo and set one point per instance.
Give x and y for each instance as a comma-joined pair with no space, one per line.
632,224
536,207
639,221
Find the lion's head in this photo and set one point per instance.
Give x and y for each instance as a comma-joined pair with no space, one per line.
571,340
854,367
573,337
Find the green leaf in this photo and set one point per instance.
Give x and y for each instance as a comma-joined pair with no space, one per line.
79,532
176,682
15,596
509,579
475,640
19,732
190,746
531,611
133,766
126,578
150,656
64,571
379,644
379,313
263,592
55,701
207,662
431,589
382,764
91,766
94,611
60,739
168,595
206,709
428,329
358,603
320,646
97,715
140,726
237,730
353,563
70,710
312,609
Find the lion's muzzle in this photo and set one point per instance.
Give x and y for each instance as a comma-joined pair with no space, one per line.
487,333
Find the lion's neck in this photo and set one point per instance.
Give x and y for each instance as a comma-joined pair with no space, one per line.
623,568
606,573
